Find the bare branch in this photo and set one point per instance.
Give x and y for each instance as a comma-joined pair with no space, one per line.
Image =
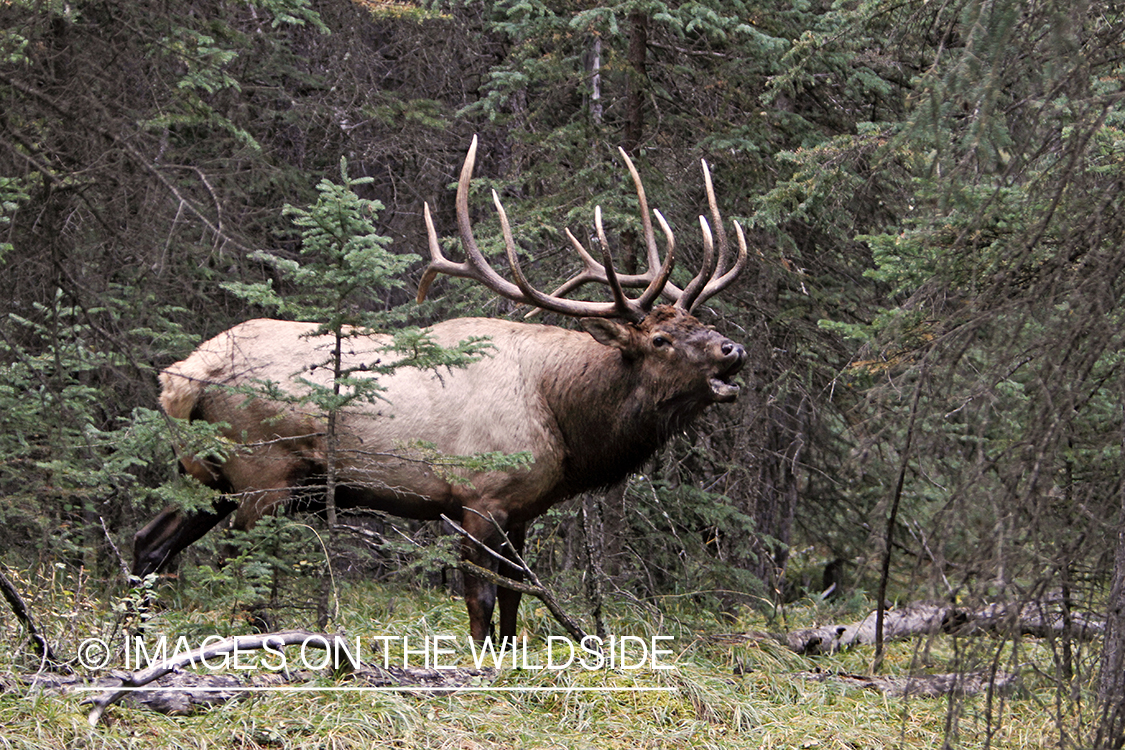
534,588
39,643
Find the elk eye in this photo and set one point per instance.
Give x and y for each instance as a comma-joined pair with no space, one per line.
659,341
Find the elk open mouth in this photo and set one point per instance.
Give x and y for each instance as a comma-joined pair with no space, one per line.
722,389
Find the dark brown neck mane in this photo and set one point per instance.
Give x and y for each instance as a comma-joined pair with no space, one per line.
609,421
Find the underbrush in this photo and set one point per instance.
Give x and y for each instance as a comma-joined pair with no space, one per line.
726,684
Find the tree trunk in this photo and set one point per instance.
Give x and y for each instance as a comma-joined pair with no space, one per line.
634,115
1111,683
635,99
595,70
324,609
593,530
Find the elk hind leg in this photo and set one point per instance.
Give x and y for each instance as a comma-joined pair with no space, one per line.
172,531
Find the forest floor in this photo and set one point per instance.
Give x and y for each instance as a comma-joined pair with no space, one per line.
719,684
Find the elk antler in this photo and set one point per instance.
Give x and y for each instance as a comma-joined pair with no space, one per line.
655,280
713,279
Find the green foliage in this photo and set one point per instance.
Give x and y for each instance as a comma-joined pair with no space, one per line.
273,567
295,12
691,541
345,261
67,459
13,47
345,257
551,55
12,193
453,468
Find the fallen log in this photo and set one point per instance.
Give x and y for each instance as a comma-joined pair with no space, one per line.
192,689
922,618
922,686
180,693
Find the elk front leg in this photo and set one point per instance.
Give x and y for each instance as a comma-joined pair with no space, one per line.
480,596
508,599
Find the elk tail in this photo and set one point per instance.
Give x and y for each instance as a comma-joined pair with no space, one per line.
179,394
180,397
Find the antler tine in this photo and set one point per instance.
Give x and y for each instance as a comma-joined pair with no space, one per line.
474,257
691,292
621,307
720,277
716,285
660,281
592,266
437,261
594,271
711,266
475,266
716,220
627,306
651,251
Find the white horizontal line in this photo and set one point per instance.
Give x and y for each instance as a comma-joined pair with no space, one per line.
371,689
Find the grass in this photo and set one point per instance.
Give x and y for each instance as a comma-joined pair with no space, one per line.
729,691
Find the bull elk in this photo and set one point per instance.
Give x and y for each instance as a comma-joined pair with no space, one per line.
590,407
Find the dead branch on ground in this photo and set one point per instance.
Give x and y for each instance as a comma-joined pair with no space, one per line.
921,618
38,642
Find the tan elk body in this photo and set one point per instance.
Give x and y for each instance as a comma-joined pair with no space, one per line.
589,406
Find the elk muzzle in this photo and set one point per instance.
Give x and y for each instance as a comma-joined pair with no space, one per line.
731,358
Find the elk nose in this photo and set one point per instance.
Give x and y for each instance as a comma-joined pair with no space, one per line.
735,352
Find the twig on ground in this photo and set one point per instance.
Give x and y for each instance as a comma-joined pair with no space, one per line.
42,648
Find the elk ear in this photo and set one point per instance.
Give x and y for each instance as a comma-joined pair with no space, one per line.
609,332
